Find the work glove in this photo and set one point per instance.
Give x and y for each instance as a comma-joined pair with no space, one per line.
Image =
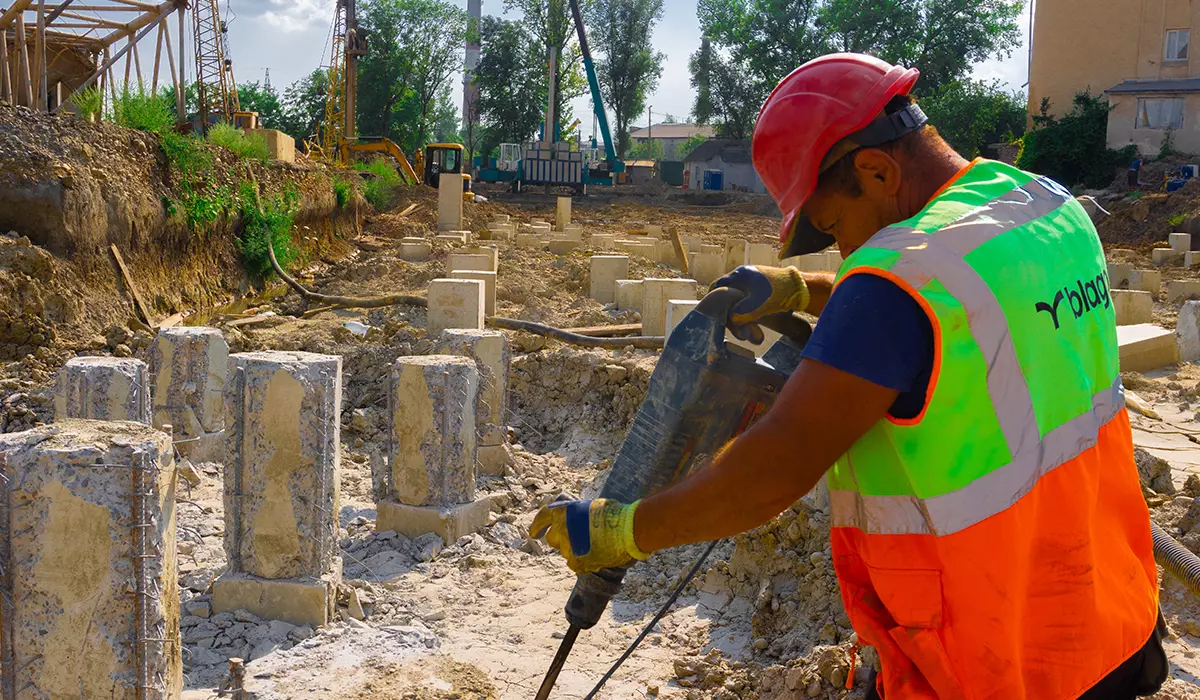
591,535
768,290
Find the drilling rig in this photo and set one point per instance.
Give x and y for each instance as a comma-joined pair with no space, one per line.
216,89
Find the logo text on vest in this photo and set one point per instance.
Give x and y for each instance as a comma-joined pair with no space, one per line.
1082,298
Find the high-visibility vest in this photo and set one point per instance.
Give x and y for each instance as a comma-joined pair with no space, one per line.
997,545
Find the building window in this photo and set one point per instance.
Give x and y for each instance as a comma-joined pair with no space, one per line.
1177,44
1160,113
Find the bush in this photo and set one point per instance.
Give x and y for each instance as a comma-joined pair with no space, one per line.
268,223
186,154
1073,148
343,190
142,111
971,115
247,146
87,102
380,188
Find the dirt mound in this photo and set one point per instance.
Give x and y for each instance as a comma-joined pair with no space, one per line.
1143,221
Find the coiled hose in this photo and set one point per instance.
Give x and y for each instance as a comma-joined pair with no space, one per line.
1176,559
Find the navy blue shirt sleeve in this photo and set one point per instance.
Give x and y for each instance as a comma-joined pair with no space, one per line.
874,330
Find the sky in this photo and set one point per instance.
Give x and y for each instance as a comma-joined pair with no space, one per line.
291,38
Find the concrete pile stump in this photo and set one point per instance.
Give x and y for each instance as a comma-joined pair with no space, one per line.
655,295
1146,346
1146,280
89,602
1166,256
602,279
562,246
470,261
452,238
629,295
415,250
562,214
188,366
528,240
1180,242
708,267
735,253
760,254
103,388
283,418
450,202
1187,332
1118,275
677,309
431,477
603,241
1131,306
492,356
455,303
489,286
1183,289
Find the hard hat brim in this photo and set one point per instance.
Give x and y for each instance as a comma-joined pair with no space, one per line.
800,237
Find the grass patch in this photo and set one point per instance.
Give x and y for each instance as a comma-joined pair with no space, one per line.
88,102
343,190
379,189
246,146
268,222
138,109
1176,219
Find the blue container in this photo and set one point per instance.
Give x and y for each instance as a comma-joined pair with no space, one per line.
714,179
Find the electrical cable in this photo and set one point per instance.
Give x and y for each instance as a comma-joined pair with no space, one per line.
654,620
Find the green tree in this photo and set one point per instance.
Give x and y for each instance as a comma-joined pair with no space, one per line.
415,47
304,105
1073,148
549,24
253,97
971,114
669,118
443,118
511,83
630,68
757,42
685,149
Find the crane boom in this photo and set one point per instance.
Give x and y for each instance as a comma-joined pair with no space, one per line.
610,151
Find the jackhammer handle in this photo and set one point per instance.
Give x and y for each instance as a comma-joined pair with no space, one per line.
719,304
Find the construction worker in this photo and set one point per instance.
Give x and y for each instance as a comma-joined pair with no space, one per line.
961,393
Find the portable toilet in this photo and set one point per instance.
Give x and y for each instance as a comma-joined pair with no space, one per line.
714,179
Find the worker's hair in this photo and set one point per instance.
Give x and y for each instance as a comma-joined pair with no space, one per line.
841,176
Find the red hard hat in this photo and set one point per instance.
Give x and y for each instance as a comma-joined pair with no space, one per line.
816,106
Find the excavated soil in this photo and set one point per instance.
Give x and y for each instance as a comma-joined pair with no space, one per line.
482,617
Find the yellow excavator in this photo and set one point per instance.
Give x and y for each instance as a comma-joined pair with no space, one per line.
337,136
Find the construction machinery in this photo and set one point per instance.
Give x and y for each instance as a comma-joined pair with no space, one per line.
611,165
216,87
444,158
702,394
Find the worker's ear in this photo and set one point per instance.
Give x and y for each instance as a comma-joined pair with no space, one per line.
878,173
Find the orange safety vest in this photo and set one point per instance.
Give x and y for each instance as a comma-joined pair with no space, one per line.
997,545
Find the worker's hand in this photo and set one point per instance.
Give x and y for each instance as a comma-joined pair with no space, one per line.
768,290
591,535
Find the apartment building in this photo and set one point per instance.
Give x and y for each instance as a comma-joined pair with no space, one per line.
1135,52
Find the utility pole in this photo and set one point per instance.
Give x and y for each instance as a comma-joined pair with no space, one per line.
650,131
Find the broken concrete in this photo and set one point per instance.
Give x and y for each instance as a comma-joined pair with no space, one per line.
491,354
103,388
448,522
1145,347
656,293
1132,306
188,367
455,303
433,436
603,276
87,525
1187,332
283,418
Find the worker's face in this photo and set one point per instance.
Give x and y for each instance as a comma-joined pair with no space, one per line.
853,218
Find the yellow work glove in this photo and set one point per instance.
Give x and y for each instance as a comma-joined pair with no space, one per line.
591,535
768,290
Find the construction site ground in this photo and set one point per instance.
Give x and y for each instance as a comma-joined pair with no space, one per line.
482,617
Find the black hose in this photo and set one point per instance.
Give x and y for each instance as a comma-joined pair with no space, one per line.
1176,559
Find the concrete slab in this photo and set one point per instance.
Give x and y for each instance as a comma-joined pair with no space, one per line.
449,522
296,602
1180,242
103,388
1132,306
1145,347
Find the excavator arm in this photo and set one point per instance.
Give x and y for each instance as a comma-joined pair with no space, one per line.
382,146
